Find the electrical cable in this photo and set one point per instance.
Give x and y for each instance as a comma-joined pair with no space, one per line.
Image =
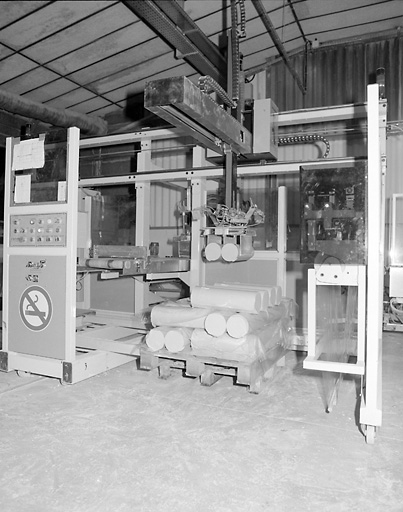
242,30
305,139
207,84
235,52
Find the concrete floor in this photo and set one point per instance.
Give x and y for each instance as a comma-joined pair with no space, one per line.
128,441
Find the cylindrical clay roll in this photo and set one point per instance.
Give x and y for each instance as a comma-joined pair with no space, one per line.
155,338
240,349
231,252
240,300
178,315
176,339
265,293
216,322
212,251
240,324
274,292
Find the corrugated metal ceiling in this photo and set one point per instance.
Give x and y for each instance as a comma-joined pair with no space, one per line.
92,57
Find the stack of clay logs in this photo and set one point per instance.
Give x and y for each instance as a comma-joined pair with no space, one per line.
227,318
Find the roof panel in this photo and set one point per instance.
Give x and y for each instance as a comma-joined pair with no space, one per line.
52,90
196,9
91,105
13,66
106,110
73,97
56,16
356,22
112,46
140,55
4,51
30,80
331,35
314,9
164,63
81,34
12,11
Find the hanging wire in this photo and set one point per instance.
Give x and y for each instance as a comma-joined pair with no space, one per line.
282,23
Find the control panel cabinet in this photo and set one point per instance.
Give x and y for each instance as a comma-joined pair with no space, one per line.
40,251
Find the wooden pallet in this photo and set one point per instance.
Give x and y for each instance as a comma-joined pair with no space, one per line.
211,369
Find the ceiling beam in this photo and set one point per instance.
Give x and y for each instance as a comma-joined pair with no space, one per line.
277,41
170,22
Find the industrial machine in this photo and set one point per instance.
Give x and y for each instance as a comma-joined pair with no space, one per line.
342,219
65,246
40,250
48,251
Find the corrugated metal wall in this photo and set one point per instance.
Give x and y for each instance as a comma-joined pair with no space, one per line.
339,75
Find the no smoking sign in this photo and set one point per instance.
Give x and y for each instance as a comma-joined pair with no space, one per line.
35,308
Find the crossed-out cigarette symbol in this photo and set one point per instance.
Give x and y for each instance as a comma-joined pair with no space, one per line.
35,308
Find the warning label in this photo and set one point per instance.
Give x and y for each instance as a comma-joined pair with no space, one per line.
36,308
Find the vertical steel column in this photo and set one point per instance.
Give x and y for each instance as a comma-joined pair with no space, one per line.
143,198
282,238
230,176
371,408
230,171
72,163
197,265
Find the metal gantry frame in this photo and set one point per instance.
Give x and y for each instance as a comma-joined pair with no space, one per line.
371,395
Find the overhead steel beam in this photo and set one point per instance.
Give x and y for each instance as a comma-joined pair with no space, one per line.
173,24
180,102
191,30
277,41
